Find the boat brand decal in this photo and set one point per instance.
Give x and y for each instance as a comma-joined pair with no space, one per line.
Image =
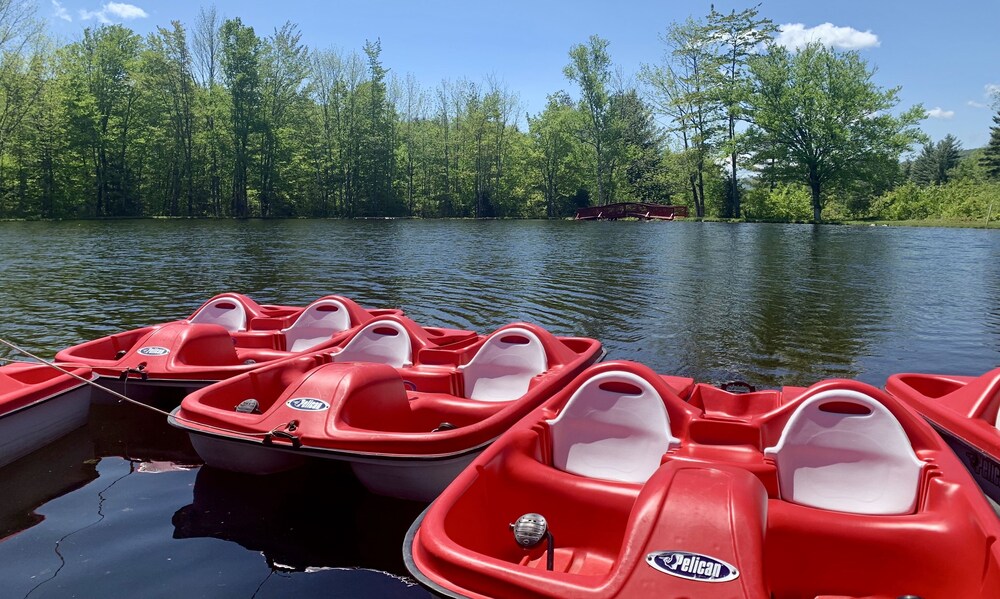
153,350
307,404
983,467
692,566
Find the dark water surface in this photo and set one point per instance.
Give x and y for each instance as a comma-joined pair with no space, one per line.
121,508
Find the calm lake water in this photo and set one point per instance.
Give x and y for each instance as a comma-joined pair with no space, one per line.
122,508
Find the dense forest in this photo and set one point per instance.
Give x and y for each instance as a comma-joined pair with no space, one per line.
213,119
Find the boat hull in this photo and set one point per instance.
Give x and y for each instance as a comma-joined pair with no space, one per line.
406,427
42,422
410,478
247,458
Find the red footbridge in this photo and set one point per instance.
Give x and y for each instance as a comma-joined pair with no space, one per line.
638,210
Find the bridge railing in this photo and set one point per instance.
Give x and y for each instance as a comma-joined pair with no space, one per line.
639,210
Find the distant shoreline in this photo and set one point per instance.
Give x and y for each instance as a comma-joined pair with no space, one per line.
925,223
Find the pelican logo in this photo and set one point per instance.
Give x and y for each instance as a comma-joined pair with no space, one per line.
692,566
983,467
307,404
153,350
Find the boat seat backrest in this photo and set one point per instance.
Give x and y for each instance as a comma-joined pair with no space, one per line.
614,427
504,365
225,311
843,450
317,323
381,341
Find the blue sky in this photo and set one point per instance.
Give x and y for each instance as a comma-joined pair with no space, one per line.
945,56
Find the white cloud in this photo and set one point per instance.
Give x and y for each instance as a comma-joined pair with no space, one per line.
86,15
992,89
975,104
119,10
940,113
60,11
795,36
125,11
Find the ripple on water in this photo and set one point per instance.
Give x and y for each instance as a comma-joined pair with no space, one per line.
772,304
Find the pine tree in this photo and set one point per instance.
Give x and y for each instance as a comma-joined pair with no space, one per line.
948,153
935,161
924,168
991,156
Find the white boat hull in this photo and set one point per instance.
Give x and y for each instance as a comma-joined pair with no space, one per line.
245,457
42,422
412,479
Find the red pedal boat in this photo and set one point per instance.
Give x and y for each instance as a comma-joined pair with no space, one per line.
965,411
407,415
228,335
618,487
39,404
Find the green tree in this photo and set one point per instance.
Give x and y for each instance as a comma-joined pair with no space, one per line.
240,61
210,104
949,152
45,154
685,90
641,149
99,87
501,104
170,80
377,149
818,113
935,162
553,133
737,36
413,113
590,67
328,91
284,72
991,155
21,87
923,170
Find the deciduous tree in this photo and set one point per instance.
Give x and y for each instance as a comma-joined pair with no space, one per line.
736,36
818,113
240,63
684,89
590,67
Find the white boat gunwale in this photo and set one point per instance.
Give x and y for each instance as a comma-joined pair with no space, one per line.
48,398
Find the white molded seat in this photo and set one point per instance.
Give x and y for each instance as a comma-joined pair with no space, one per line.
317,323
381,341
614,427
225,311
504,366
843,450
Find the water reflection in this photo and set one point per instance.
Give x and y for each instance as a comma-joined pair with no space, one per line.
138,436
295,523
128,484
50,472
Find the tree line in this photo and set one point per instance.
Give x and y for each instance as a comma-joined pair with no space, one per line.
220,121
